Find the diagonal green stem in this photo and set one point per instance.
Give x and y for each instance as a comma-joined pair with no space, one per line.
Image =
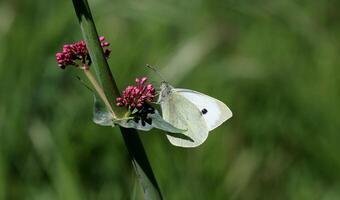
131,138
99,90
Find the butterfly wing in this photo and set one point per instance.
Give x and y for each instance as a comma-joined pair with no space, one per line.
183,114
213,110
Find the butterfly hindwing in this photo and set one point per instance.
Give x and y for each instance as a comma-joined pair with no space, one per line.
213,110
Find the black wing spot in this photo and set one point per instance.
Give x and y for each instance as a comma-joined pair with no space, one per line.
204,111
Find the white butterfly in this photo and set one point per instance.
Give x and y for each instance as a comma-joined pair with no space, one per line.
192,111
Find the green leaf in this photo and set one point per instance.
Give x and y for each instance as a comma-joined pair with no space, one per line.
104,118
100,114
156,122
130,123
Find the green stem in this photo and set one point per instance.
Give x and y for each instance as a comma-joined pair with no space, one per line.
99,90
131,138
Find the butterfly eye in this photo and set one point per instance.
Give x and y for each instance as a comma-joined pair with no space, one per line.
204,111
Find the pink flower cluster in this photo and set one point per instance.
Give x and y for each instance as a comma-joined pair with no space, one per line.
78,52
135,96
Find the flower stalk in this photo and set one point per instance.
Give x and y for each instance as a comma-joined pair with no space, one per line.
99,90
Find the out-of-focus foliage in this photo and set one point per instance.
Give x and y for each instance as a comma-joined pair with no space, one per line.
275,63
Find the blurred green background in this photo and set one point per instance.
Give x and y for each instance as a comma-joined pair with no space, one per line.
275,63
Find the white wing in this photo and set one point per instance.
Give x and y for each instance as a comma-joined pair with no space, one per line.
181,113
216,112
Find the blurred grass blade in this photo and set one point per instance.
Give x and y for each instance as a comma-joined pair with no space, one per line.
2,177
103,72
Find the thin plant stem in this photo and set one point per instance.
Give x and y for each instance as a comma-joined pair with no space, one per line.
99,89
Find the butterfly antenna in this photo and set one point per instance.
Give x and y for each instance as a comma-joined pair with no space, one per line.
156,71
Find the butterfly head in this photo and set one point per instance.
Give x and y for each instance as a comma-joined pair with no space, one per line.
166,90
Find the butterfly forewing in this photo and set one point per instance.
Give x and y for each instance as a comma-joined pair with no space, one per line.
183,114
214,111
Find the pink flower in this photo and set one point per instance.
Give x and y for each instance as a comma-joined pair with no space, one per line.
136,96
77,52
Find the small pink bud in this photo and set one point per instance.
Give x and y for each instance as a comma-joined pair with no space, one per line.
143,80
136,96
73,53
105,44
